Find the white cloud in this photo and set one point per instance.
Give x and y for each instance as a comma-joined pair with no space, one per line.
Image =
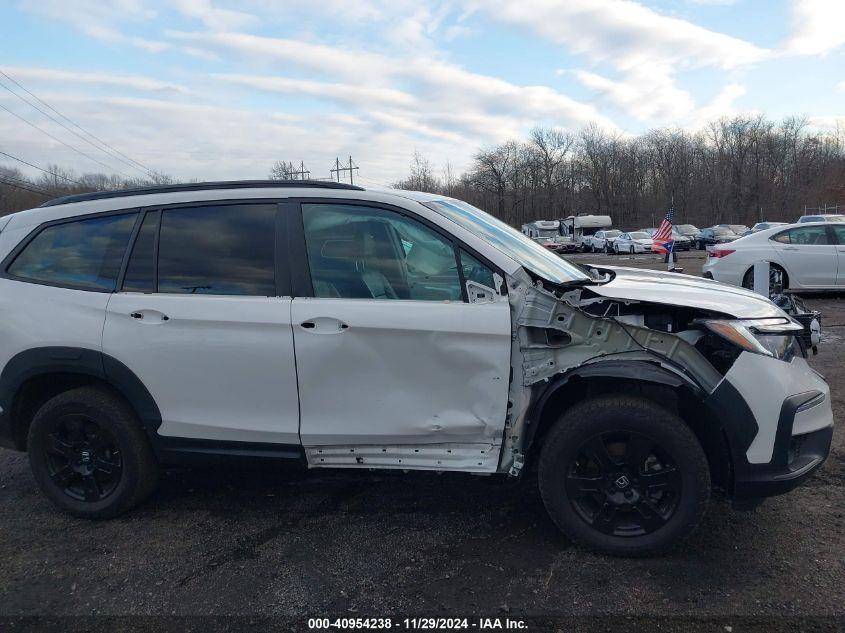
818,26
360,95
625,33
647,48
213,17
647,93
440,89
135,82
98,19
722,105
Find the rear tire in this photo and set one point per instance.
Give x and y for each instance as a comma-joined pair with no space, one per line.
622,475
89,454
778,279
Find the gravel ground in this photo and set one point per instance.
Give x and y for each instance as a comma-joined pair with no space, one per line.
281,542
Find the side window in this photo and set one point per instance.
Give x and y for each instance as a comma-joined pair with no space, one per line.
475,271
84,254
140,273
839,231
218,250
782,237
358,252
809,235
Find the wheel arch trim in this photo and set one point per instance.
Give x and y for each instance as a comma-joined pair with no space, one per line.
44,361
631,370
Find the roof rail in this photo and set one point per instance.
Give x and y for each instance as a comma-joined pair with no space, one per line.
199,186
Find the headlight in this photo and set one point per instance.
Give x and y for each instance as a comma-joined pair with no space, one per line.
771,337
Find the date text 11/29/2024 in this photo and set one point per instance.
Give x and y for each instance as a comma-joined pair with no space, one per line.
418,624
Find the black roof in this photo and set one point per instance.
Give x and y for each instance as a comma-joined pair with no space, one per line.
200,186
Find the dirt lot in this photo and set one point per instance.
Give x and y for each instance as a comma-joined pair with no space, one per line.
281,542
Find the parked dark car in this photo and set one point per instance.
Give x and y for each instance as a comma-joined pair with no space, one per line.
714,235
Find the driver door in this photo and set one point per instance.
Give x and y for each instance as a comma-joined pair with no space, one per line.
396,368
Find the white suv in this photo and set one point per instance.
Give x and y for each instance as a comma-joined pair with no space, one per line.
349,328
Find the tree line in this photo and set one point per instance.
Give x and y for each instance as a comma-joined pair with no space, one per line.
19,191
737,170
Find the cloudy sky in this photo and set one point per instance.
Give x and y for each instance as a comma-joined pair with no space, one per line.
214,89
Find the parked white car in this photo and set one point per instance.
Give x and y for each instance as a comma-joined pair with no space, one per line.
822,217
601,241
808,256
634,242
338,327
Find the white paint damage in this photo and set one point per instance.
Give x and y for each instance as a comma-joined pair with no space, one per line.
402,372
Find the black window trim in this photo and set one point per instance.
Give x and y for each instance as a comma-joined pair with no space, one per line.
281,264
22,245
300,273
832,238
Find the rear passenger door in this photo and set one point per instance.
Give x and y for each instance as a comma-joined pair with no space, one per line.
809,255
396,367
203,319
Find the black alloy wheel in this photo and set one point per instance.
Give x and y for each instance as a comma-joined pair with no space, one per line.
623,475
623,484
90,454
82,459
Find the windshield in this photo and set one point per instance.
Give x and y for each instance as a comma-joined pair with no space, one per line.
686,229
509,241
835,218
612,233
548,232
639,236
722,231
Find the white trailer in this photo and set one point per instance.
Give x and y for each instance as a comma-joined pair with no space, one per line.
580,226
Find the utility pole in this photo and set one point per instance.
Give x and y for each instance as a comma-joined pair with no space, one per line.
337,169
292,175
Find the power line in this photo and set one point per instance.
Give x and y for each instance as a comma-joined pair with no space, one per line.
11,184
58,140
24,182
46,171
117,153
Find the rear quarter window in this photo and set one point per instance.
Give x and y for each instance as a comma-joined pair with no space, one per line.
85,254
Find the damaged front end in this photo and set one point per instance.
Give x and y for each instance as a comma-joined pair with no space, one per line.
598,333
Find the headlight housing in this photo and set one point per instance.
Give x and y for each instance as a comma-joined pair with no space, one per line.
770,337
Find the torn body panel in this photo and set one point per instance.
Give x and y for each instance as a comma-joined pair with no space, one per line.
553,334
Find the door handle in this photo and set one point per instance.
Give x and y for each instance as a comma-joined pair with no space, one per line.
324,325
790,248
149,316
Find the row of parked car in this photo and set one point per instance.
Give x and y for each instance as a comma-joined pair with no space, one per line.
687,236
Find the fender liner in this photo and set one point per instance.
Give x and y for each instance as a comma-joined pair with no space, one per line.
636,370
41,361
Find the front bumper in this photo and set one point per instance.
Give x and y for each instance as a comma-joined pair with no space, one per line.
775,442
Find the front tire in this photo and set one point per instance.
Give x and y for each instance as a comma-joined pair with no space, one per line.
89,454
622,475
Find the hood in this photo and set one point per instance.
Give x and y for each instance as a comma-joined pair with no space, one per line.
676,289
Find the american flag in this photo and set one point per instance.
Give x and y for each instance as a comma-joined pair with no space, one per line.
662,240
